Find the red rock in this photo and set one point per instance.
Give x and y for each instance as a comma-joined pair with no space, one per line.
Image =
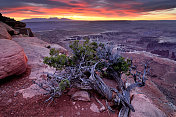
35,50
94,108
12,58
26,31
81,96
4,33
160,86
144,107
163,53
9,29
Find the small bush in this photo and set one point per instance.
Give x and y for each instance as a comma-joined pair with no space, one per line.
57,60
88,52
84,68
64,84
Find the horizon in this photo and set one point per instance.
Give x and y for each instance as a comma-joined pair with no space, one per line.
94,20
90,10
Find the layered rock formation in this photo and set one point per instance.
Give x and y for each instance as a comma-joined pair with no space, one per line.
11,22
20,27
134,41
6,31
12,58
164,49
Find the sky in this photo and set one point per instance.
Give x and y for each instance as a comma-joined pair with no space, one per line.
90,9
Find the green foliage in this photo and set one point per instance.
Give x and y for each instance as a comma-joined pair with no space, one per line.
85,51
54,52
122,65
57,60
81,52
64,84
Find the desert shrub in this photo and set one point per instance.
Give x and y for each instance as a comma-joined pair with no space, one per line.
88,53
83,52
57,60
89,62
64,84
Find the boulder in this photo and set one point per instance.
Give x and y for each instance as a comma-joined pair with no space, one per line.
81,96
12,58
4,34
144,107
94,108
10,30
6,31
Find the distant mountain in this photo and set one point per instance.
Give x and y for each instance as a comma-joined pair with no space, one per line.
45,19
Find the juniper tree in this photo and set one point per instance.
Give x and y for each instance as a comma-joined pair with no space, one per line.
89,62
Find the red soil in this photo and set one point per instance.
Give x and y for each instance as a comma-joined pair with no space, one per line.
13,104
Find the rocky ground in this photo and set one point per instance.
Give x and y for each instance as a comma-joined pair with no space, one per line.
13,104
160,86
19,96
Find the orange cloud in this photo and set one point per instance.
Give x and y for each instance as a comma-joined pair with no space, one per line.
90,9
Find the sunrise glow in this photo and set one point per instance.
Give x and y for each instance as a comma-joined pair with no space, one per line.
90,9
